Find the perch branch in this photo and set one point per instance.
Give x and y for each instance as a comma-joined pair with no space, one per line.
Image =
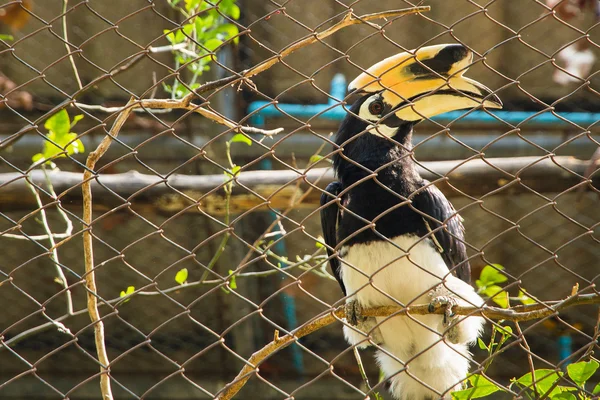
90,281
347,21
517,313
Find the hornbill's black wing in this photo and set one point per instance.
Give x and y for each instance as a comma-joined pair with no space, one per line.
449,240
329,219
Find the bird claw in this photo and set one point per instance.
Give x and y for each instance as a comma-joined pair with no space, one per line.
367,325
353,311
446,301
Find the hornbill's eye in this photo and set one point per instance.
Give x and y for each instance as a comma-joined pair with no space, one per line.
376,107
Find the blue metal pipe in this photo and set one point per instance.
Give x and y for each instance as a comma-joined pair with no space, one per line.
333,110
565,349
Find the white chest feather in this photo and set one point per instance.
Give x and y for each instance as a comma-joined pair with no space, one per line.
403,272
405,269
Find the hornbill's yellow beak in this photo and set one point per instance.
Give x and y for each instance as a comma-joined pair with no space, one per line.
426,82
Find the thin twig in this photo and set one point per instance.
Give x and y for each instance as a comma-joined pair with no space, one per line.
157,106
36,237
66,37
174,47
528,351
90,281
347,21
68,230
594,342
50,237
186,102
160,292
293,203
361,369
228,187
283,214
517,313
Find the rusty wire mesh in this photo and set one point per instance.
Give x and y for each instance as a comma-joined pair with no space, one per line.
160,191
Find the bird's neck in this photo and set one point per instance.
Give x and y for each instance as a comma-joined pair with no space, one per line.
391,159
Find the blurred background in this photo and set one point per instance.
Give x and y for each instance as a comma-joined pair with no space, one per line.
178,341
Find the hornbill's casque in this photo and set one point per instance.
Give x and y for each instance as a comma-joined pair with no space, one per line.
392,237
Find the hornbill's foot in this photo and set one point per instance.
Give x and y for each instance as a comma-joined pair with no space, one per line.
447,302
353,311
368,325
440,296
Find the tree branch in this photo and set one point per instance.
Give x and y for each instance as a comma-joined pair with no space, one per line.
88,252
66,37
348,20
157,106
517,313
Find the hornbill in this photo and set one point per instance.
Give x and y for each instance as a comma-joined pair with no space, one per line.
392,237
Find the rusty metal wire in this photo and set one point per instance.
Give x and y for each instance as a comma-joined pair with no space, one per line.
207,248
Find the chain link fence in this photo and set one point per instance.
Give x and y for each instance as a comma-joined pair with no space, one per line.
162,164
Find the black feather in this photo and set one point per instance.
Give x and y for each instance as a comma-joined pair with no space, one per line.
432,202
378,199
329,220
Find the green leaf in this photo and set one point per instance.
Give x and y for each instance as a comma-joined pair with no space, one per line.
524,298
170,36
320,243
174,37
544,380
188,29
241,138
130,290
6,37
497,294
190,5
315,158
234,171
490,275
58,123
481,387
596,389
378,396
232,283
181,276
482,344
179,36
60,139
234,12
582,371
76,119
504,330
212,44
227,31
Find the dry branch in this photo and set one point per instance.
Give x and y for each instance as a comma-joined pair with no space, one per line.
476,177
156,105
186,102
517,313
348,20
88,252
